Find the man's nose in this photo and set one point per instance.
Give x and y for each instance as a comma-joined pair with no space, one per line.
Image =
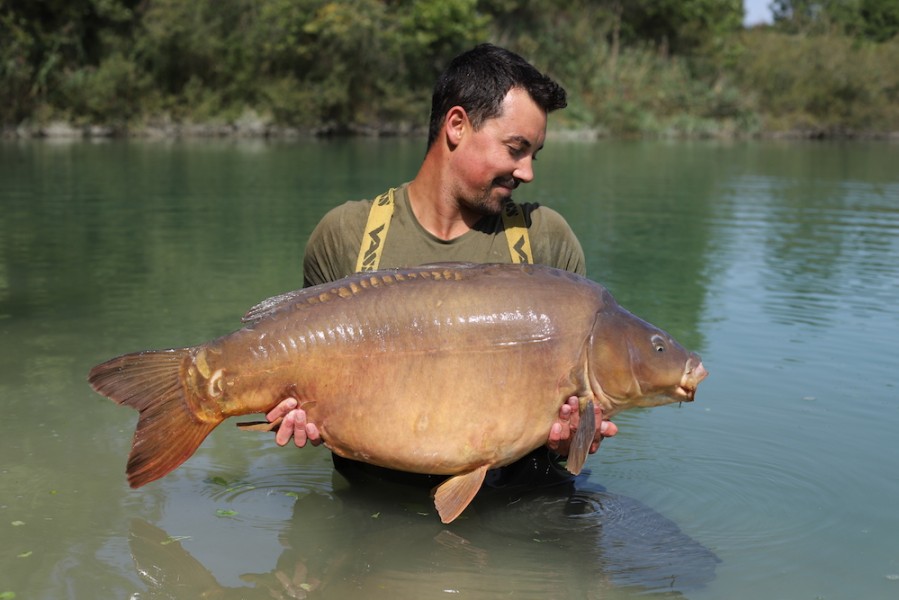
524,172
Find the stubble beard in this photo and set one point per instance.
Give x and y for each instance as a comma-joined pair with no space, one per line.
489,202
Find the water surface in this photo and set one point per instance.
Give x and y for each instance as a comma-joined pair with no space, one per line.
778,262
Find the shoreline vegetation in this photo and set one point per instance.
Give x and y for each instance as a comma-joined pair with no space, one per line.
250,126
284,69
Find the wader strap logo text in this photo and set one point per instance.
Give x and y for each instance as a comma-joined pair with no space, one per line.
375,232
517,234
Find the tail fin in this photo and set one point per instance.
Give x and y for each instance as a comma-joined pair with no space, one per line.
168,432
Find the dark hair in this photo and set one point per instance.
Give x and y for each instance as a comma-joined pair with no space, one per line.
478,81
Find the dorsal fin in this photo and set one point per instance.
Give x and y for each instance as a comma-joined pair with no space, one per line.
451,264
271,305
355,284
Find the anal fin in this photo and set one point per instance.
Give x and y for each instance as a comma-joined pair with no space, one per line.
453,495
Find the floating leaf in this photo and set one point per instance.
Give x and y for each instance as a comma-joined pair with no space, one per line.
16,524
224,512
376,515
218,481
242,486
292,494
25,554
7,595
306,587
174,538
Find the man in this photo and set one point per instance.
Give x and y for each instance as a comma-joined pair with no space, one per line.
488,122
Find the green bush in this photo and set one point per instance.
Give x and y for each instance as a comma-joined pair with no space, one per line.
112,93
16,71
823,84
647,94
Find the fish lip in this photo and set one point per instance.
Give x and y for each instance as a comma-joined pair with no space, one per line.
694,373
684,393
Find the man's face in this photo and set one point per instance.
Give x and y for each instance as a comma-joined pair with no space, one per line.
491,162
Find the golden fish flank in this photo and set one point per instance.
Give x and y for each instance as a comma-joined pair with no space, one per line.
419,348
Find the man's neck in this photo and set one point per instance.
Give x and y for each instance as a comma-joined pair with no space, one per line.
435,207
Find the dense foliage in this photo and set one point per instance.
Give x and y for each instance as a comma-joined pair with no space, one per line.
632,67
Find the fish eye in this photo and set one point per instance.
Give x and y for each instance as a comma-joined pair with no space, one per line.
658,343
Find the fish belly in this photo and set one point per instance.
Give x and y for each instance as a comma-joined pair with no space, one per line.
432,377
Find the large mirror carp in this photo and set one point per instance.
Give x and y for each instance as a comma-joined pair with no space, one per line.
468,365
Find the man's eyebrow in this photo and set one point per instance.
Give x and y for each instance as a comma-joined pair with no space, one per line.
519,139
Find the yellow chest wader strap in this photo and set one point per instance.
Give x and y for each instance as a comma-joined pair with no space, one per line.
375,232
379,222
517,234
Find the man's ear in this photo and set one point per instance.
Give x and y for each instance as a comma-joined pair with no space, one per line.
455,125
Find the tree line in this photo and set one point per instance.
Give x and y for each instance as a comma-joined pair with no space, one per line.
631,67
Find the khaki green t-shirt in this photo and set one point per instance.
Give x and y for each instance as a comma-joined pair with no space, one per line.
334,245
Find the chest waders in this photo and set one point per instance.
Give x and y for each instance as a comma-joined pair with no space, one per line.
379,223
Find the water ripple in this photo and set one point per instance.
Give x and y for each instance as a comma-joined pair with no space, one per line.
281,480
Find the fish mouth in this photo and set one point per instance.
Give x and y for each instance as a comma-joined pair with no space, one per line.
685,394
693,374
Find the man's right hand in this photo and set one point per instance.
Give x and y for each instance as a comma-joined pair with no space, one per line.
293,425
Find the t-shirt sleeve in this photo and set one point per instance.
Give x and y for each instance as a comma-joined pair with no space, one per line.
553,242
334,244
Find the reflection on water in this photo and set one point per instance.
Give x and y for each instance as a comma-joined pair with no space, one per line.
815,256
521,544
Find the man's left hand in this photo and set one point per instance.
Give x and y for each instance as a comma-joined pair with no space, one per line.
562,431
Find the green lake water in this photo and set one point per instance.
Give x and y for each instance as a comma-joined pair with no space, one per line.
777,261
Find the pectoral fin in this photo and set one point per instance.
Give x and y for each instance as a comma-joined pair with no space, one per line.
261,425
583,439
453,495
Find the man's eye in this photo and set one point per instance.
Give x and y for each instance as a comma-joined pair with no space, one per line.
519,153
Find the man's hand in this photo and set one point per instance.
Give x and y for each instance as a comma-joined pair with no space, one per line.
562,431
293,425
